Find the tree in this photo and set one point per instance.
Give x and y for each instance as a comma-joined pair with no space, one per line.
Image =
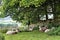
26,11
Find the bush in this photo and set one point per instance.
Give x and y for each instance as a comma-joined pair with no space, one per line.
23,29
2,37
36,28
3,30
26,28
56,31
53,24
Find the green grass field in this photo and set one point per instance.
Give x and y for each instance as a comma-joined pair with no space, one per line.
35,35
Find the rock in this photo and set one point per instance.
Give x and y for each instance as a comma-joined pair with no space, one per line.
47,30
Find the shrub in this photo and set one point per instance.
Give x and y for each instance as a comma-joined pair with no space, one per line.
53,24
56,31
36,28
3,30
2,37
23,29
26,28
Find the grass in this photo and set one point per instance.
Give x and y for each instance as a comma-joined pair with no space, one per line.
35,35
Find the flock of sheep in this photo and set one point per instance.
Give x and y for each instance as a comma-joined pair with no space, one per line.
42,29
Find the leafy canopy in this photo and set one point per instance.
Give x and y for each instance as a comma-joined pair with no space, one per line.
22,10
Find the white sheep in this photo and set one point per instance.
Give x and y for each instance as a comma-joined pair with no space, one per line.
10,32
47,30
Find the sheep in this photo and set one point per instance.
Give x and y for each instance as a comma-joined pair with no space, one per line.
10,32
13,31
42,29
47,30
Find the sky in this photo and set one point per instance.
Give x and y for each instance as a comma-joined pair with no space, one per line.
6,18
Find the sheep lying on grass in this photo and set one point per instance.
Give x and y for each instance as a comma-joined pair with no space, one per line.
45,29
13,31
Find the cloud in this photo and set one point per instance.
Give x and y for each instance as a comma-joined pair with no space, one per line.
6,18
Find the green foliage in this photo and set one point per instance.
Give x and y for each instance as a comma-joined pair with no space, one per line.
56,31
53,24
57,7
2,37
23,29
35,35
26,3
36,28
22,10
3,30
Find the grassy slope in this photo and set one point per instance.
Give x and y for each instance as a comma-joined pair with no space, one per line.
35,35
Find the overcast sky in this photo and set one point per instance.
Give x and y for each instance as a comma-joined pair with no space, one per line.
6,18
